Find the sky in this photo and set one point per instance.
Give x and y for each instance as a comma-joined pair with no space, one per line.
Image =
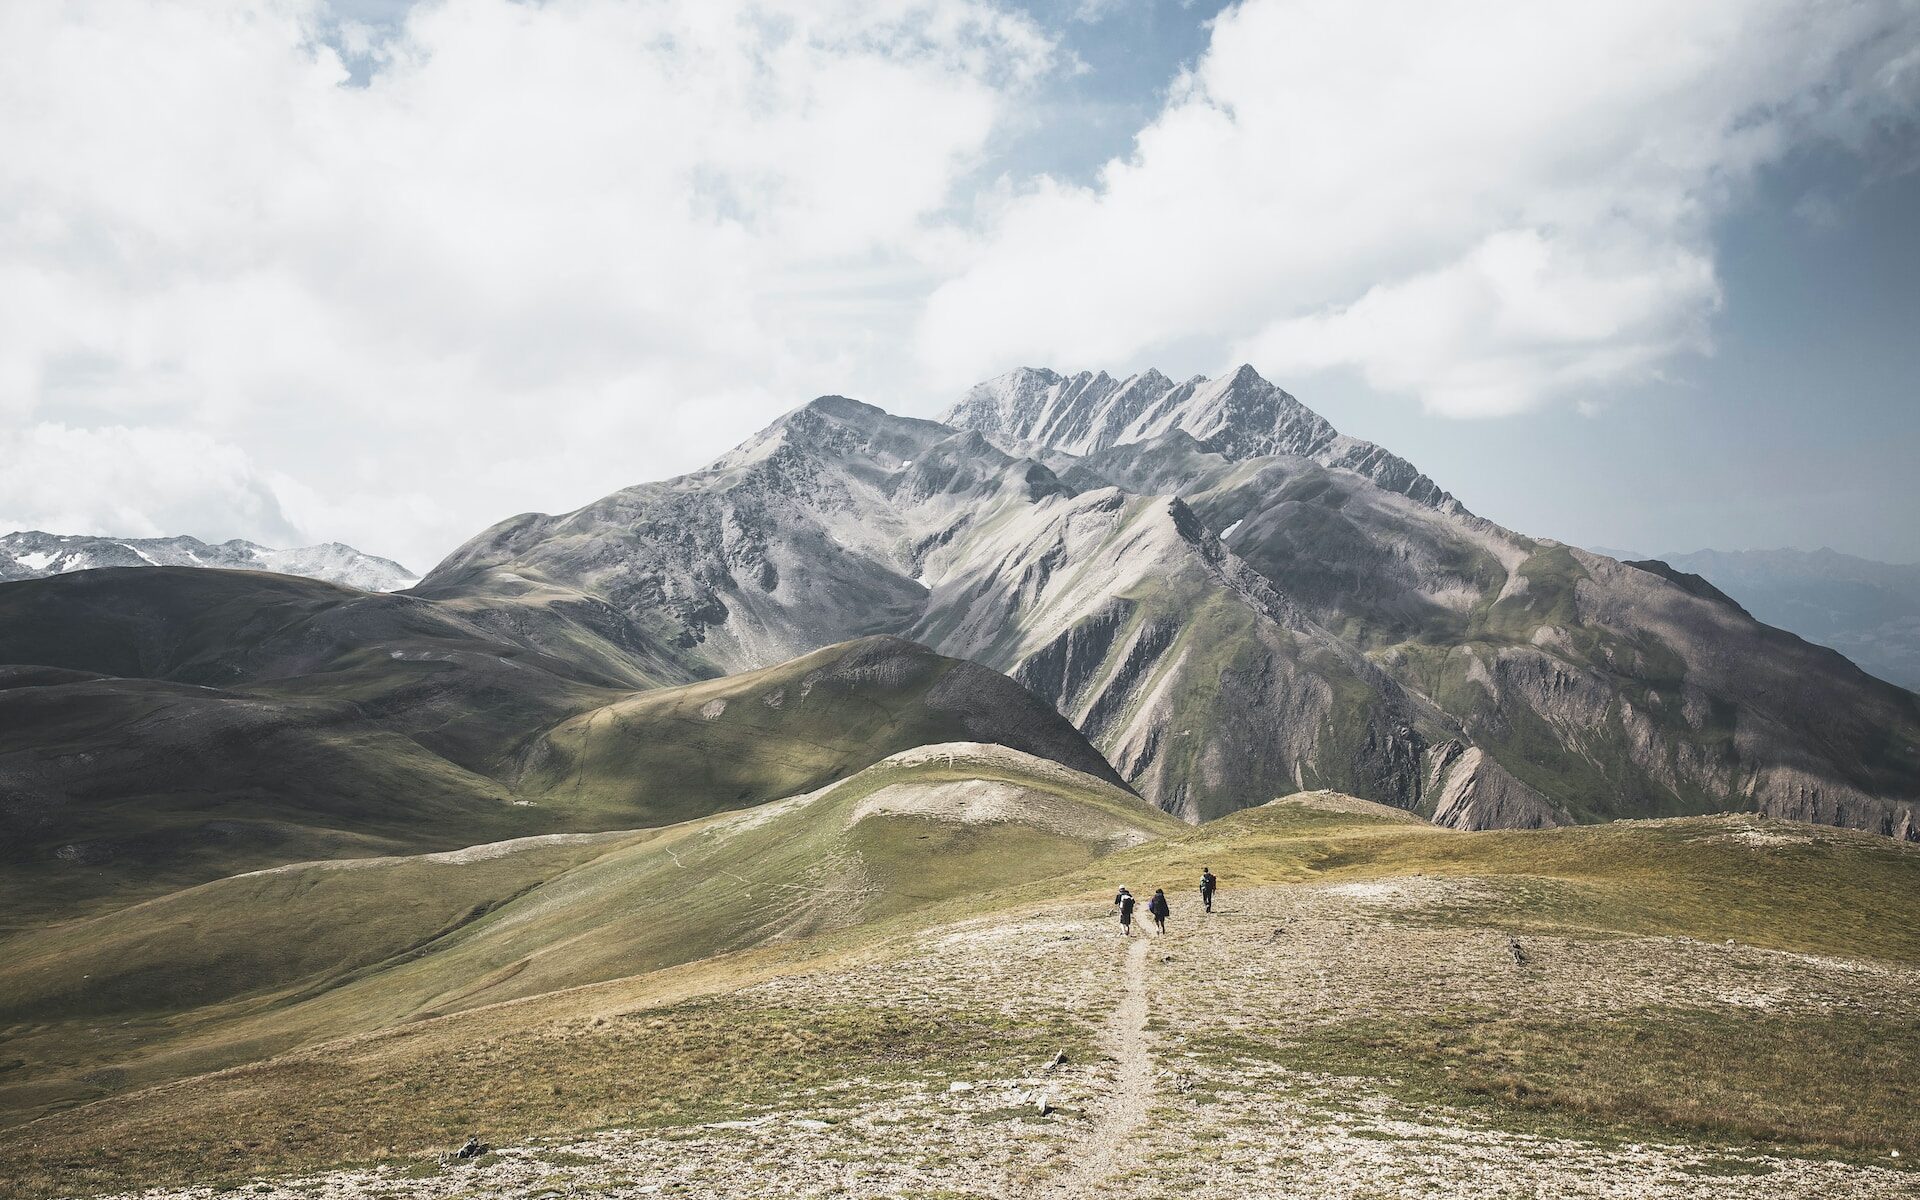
1639,275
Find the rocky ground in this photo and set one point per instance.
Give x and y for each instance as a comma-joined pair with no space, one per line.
1183,1078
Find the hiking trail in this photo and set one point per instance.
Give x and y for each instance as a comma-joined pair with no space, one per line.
1112,1148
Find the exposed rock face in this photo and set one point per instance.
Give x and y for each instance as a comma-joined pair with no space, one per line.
1233,602
1471,791
1597,689
1238,416
813,532
35,555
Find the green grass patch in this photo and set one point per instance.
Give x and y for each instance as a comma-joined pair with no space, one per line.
404,1096
1798,1083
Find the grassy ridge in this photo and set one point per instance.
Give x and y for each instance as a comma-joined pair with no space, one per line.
122,789
1815,889
176,726
670,755
234,970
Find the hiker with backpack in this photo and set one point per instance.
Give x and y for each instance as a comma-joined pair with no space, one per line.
1207,885
1157,908
1123,901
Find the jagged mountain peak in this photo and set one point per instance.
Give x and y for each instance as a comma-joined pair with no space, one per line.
1239,415
839,428
844,409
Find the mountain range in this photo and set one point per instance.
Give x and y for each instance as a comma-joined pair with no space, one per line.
1232,601
31,554
1199,591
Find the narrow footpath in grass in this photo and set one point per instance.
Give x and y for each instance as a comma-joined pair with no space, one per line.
1112,1148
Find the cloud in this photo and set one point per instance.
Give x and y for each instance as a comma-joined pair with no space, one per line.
136,482
1522,316
500,261
1488,206
393,277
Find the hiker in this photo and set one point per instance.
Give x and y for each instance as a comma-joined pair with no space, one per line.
1207,884
1158,908
1123,900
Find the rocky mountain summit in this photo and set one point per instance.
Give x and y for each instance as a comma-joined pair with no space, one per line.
1232,601
1237,416
31,554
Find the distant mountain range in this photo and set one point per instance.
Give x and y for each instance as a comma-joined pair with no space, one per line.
1867,610
35,555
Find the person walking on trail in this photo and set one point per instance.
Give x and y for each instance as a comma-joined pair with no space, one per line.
1207,884
1157,907
1123,900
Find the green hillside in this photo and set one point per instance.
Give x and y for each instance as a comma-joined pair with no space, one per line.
229,970
166,727
677,753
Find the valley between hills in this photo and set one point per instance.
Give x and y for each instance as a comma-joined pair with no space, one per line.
754,832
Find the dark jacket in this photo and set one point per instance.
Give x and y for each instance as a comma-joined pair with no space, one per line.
1126,909
1208,882
1158,906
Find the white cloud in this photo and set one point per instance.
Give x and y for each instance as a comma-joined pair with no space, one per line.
522,254
1522,316
501,274
1485,205
136,482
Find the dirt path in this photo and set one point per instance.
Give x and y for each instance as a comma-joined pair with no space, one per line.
1113,1148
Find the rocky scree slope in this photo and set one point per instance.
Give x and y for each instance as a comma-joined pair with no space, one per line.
1613,689
31,554
1233,601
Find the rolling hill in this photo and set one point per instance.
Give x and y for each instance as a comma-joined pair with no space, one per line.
267,960
182,725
